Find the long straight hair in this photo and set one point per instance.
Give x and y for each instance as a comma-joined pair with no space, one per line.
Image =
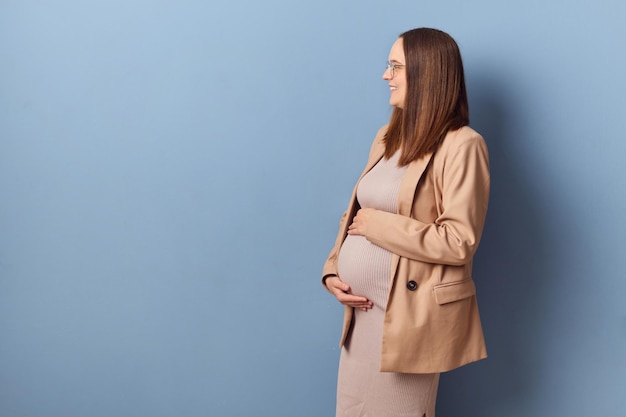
435,101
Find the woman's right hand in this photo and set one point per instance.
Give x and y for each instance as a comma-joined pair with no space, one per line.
341,290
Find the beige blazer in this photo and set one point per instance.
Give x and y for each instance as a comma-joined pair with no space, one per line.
431,321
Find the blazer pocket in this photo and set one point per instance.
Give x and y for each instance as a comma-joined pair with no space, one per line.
454,291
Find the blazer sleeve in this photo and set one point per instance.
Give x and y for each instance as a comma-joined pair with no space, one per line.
330,266
453,237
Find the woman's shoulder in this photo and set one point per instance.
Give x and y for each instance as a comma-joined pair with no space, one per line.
378,145
465,136
380,135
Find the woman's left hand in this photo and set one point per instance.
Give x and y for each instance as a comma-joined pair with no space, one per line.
360,221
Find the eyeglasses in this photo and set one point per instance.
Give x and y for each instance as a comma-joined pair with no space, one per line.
391,66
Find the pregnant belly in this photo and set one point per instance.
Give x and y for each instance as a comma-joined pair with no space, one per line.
365,267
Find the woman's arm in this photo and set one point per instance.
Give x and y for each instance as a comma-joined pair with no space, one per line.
453,237
330,266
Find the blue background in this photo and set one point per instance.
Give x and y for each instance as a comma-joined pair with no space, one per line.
172,174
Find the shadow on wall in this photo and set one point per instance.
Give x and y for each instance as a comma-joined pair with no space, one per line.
511,268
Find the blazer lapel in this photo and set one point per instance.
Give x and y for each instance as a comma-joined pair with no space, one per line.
406,195
408,186
377,154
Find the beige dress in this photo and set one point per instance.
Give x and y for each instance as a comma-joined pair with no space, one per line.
362,390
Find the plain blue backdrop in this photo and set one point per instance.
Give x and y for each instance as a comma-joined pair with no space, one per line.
172,174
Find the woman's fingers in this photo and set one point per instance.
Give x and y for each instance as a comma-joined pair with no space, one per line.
355,301
341,290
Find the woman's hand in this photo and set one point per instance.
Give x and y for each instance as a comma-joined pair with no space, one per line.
341,290
360,221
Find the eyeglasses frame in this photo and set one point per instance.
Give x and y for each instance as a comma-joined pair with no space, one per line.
391,66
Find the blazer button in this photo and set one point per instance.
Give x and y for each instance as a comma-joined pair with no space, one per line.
411,285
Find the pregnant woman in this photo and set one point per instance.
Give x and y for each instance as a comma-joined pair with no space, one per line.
402,260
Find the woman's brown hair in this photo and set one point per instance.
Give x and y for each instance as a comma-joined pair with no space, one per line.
436,100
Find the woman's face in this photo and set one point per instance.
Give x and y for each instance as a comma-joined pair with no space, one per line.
397,82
